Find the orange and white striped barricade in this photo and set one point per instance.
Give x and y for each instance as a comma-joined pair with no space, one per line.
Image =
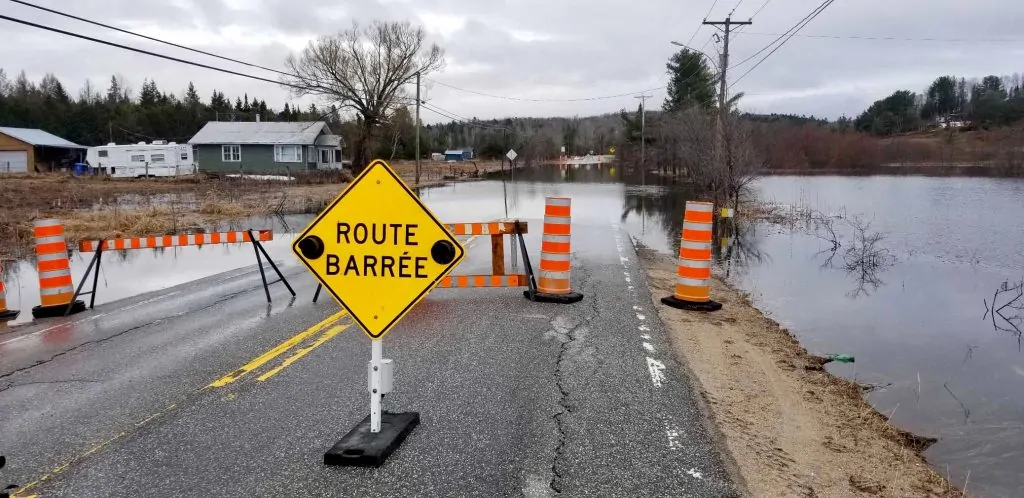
5,314
554,285
693,277
56,288
181,240
498,277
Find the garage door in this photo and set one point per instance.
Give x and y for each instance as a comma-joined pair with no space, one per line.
13,161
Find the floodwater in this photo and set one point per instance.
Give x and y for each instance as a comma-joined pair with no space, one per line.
914,322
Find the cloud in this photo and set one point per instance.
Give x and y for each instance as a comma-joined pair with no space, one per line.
540,49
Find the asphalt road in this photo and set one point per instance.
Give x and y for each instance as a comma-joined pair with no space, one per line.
516,398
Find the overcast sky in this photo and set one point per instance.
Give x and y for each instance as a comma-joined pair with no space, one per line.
542,49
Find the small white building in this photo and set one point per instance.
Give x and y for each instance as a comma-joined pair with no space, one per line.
142,160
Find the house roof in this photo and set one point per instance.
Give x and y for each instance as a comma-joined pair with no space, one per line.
38,138
330,140
220,132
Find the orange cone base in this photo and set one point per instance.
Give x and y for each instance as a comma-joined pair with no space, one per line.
691,305
540,297
58,310
9,314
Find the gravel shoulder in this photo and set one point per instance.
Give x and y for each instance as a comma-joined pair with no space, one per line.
792,428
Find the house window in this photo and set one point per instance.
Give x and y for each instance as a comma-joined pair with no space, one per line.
138,158
156,158
184,156
337,156
231,153
325,156
104,153
288,153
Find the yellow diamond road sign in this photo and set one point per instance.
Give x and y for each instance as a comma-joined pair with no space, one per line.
378,249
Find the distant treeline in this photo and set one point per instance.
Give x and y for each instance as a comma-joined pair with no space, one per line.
993,101
117,114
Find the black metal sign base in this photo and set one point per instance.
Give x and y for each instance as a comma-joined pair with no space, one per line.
362,448
540,297
690,305
58,310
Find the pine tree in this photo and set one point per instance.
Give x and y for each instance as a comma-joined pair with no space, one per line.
192,97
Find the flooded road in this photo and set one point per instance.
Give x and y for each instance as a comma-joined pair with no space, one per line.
915,326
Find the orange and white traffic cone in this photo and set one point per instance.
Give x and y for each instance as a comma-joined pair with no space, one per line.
553,286
693,281
5,314
56,289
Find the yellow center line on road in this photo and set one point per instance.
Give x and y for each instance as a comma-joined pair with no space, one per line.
275,351
223,381
326,336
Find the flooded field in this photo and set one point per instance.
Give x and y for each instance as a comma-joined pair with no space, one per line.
916,325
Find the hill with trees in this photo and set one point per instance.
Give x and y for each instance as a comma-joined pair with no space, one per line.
990,102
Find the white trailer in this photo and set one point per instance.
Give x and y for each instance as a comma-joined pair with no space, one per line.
143,160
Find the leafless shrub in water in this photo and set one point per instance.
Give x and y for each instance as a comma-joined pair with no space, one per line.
1007,309
865,257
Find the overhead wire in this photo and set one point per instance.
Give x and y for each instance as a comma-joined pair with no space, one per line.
708,13
526,99
758,11
814,15
249,64
150,38
455,117
731,12
257,66
792,29
152,54
896,38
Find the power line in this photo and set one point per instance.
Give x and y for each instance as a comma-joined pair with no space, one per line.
733,11
455,117
204,66
814,15
895,38
708,13
524,99
758,11
153,54
792,29
150,38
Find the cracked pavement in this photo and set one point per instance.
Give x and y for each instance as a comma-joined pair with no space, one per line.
516,398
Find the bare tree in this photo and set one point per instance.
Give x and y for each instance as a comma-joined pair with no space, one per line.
364,70
744,161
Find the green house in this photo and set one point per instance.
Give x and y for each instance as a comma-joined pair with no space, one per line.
266,147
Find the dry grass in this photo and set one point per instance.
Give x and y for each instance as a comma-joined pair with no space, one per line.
99,207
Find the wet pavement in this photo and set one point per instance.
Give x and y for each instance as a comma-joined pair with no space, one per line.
516,398
515,383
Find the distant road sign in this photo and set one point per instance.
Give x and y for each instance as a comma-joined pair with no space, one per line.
511,155
611,150
378,249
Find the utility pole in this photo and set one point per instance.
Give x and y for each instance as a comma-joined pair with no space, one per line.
722,149
643,138
417,128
